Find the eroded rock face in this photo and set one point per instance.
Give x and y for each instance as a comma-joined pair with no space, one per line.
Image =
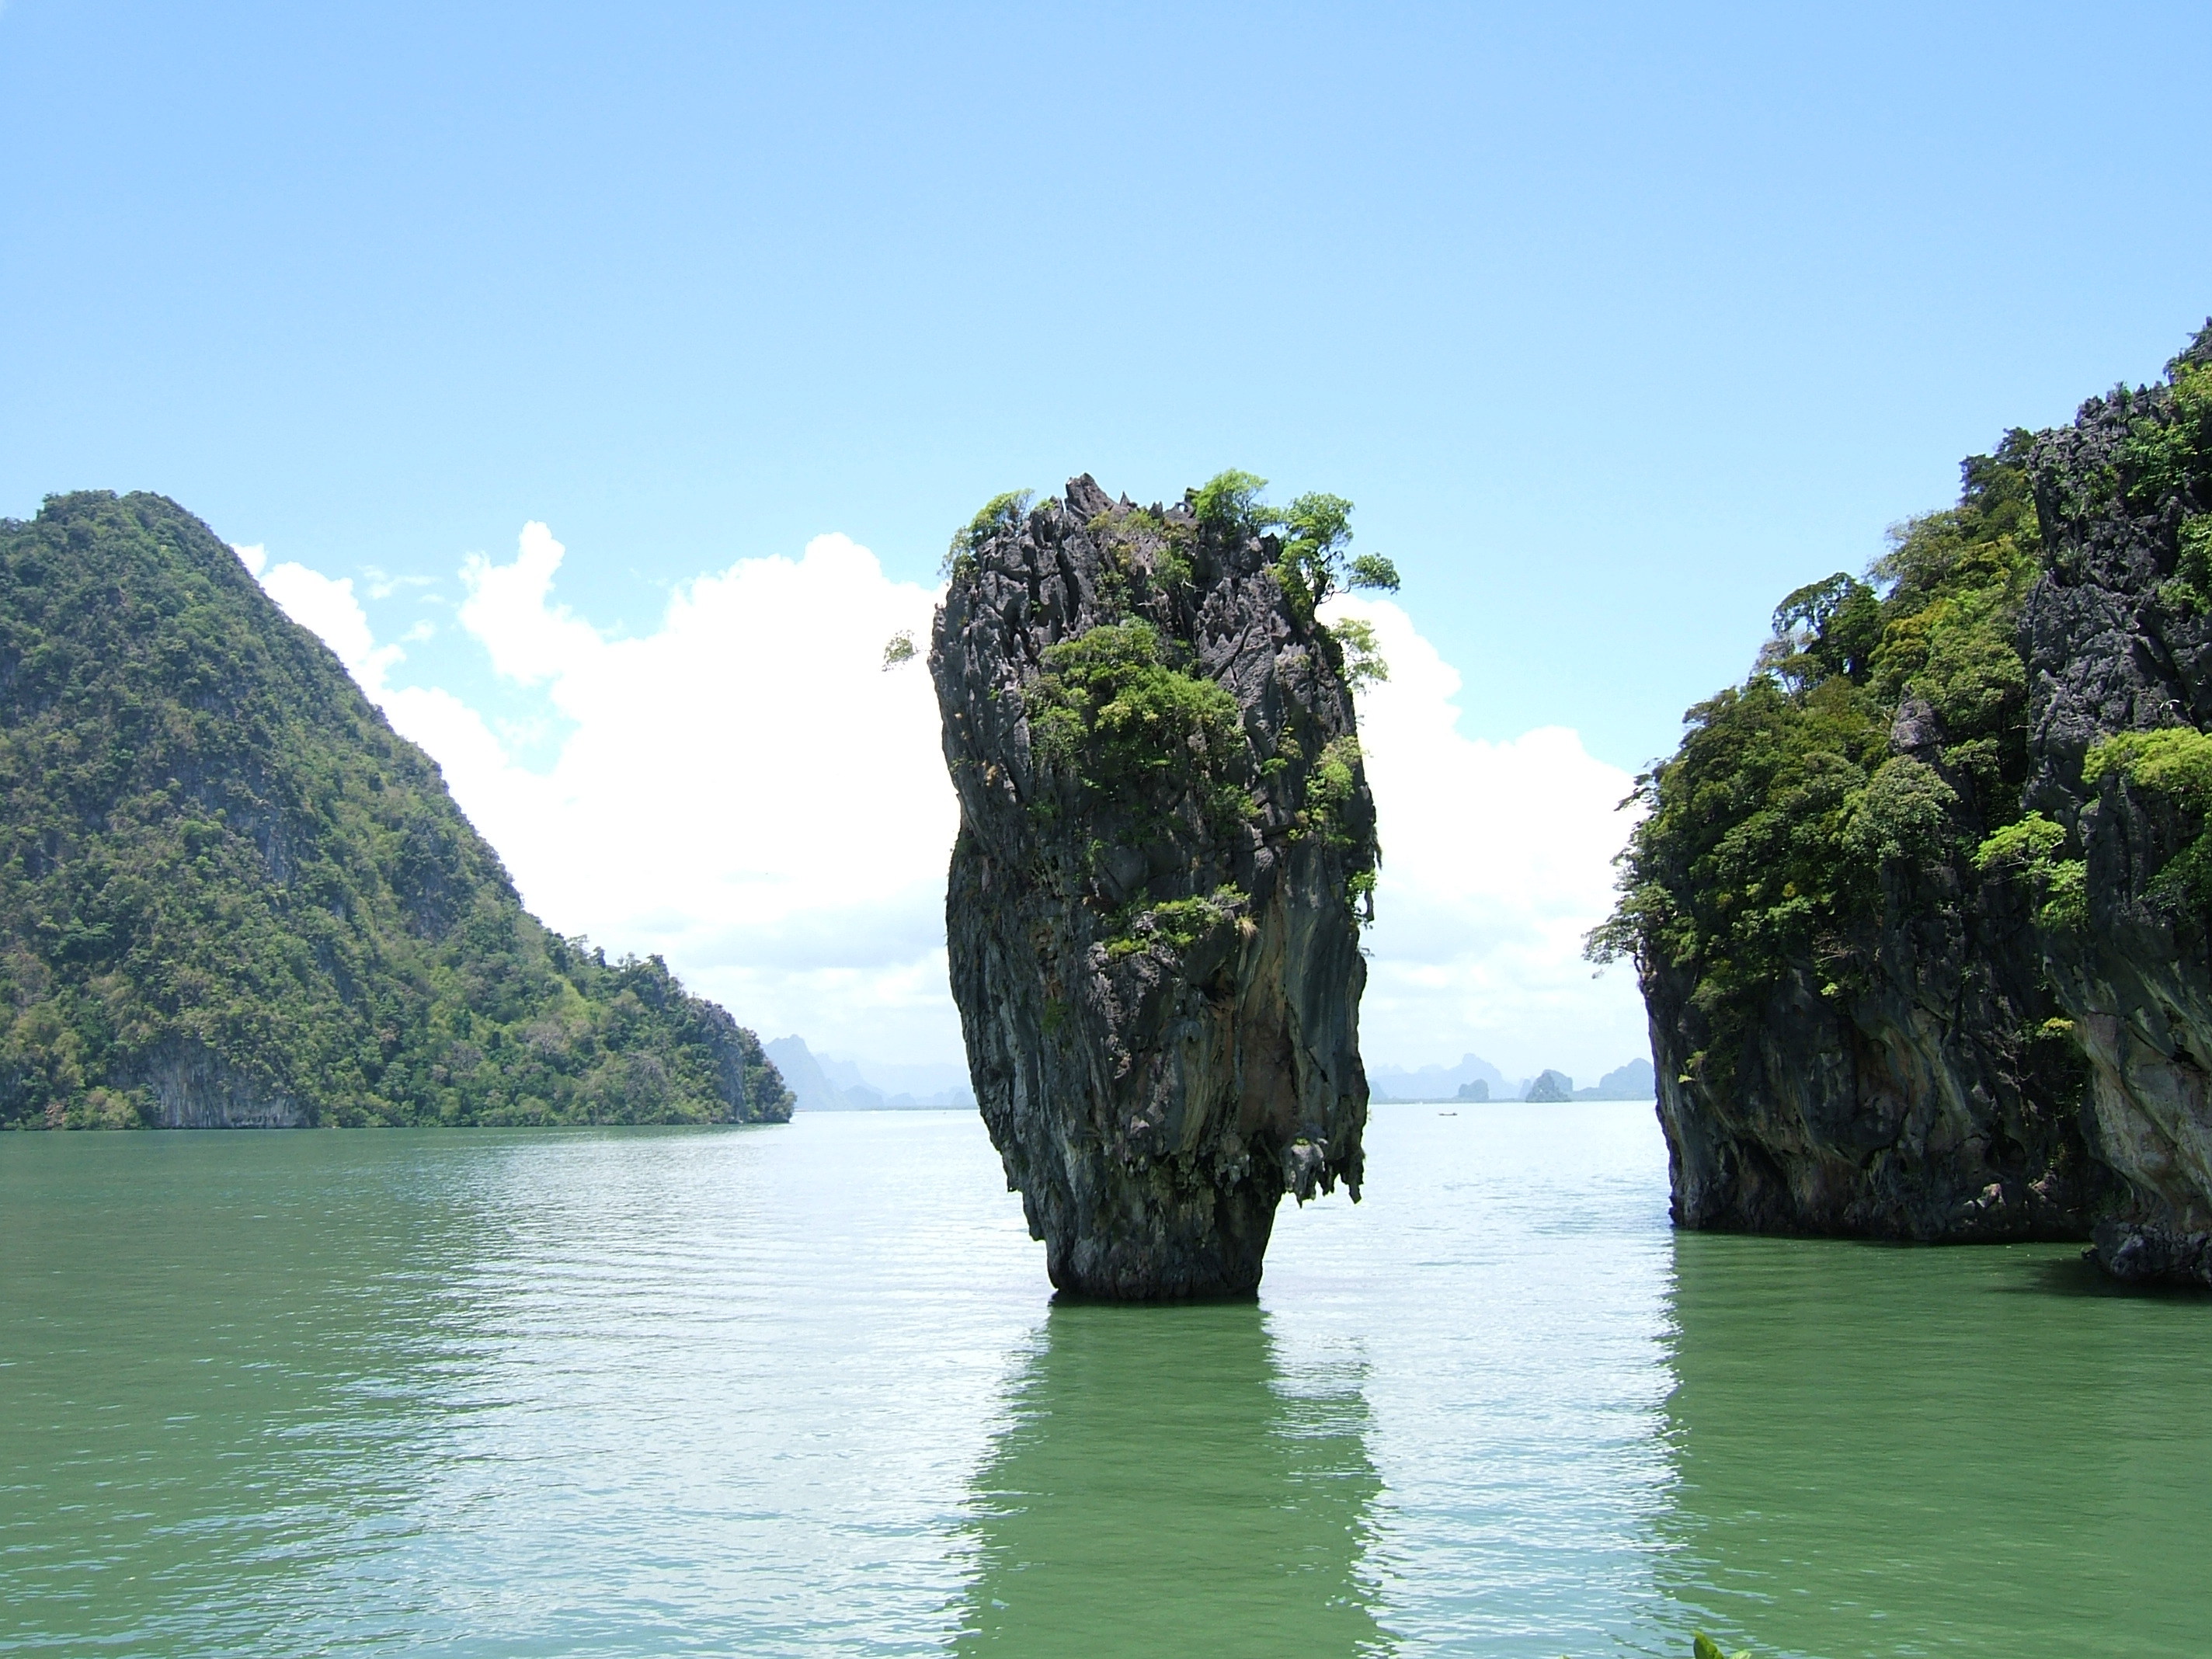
193,1087
1852,1022
2017,1039
1165,831
2116,645
1913,1105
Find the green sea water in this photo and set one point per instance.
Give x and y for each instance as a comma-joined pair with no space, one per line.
802,1389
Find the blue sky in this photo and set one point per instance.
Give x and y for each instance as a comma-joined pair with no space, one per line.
1616,322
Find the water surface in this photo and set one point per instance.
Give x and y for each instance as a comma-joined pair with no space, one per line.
802,1389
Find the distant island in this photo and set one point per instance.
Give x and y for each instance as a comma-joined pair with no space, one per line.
820,1083
1476,1079
232,897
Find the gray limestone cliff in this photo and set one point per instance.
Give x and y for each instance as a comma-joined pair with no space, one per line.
2119,639
1908,1094
1153,911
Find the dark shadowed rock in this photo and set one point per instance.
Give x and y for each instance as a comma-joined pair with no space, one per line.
1915,1103
1165,827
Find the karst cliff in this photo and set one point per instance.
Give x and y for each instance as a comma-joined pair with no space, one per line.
1920,910
2117,638
1165,840
231,896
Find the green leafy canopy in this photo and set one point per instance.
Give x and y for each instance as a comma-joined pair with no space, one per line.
1765,835
1315,532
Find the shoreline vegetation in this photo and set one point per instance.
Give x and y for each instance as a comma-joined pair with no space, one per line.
232,897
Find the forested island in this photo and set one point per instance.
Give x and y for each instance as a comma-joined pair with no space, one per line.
1921,908
231,896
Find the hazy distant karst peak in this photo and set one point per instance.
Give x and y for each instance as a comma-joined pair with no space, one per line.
1549,1086
1476,1078
1166,842
820,1083
230,896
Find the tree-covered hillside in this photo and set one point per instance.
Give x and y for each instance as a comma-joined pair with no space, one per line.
230,893
1766,835
1853,1026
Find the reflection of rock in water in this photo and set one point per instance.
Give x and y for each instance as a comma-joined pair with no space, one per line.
1882,1450
1163,1488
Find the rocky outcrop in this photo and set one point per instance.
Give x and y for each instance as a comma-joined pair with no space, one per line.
1165,828
1923,1101
1854,1029
190,1085
2119,639
2010,1032
1551,1088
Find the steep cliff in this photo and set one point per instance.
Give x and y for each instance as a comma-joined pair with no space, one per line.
1165,831
1854,1028
231,897
2119,640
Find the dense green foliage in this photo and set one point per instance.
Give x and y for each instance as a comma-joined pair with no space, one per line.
2032,850
1766,835
2175,766
1003,508
1135,725
215,848
1122,712
1312,534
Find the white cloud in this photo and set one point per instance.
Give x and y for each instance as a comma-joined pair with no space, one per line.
744,790
1496,860
530,639
747,791
328,607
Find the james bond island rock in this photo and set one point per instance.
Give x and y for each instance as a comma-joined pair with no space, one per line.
1854,1027
230,896
2117,860
1166,840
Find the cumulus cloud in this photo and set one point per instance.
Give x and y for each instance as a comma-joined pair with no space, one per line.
1496,860
329,608
744,790
747,791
